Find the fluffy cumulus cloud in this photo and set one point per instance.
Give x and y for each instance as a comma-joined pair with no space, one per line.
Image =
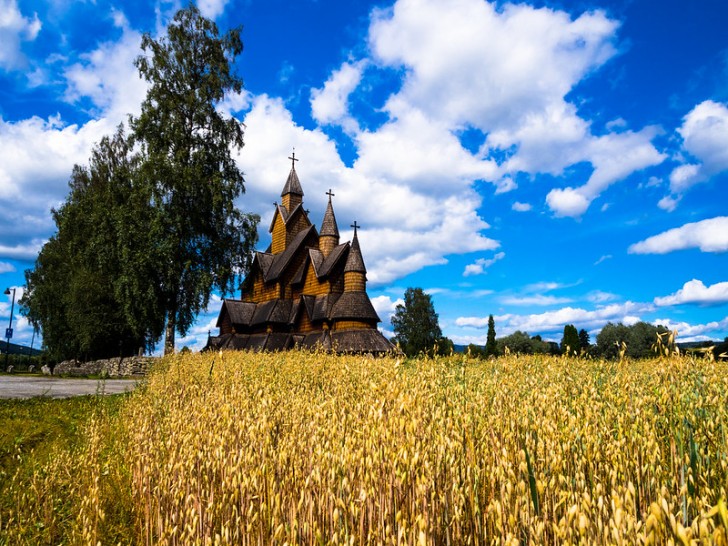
705,140
211,8
396,240
14,29
554,321
695,332
696,292
506,72
481,264
329,105
37,155
709,235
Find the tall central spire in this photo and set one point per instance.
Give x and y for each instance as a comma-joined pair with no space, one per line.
292,193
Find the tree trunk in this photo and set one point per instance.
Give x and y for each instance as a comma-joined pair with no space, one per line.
169,334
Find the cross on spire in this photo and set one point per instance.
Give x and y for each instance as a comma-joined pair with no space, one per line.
355,226
293,158
330,194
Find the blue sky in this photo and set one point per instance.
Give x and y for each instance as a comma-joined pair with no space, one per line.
550,163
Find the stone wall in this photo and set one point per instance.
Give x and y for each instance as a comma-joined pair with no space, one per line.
112,367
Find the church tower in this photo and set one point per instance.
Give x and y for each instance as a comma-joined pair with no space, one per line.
355,273
292,193
329,235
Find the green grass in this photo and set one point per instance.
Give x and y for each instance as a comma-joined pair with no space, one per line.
31,429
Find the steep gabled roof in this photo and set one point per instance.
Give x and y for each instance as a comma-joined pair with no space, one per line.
265,260
298,278
292,184
281,260
354,306
332,259
240,312
317,258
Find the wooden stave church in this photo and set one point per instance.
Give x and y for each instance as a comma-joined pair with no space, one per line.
307,290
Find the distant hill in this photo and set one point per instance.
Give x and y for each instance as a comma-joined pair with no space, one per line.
16,349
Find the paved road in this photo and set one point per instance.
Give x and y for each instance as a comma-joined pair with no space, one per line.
56,387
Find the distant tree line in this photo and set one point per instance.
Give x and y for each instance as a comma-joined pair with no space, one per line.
150,226
417,331
639,340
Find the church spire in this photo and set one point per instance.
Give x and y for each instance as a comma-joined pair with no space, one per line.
292,193
355,261
329,234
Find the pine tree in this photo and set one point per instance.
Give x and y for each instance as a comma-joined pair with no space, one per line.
491,348
570,342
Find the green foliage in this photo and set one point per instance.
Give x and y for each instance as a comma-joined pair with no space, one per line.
639,339
491,348
415,323
584,341
188,167
78,292
143,238
570,342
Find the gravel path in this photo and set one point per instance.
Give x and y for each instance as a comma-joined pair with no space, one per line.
56,387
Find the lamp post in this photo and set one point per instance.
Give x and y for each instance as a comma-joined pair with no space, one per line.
9,331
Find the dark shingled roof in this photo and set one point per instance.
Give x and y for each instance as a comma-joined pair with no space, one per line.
281,260
292,184
322,306
278,341
354,305
361,341
273,311
309,303
298,277
317,258
265,260
355,262
328,226
240,312
317,340
332,259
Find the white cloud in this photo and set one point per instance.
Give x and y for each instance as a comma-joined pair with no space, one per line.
705,137
597,296
6,267
687,332
14,28
538,299
521,207
396,240
709,235
567,202
668,203
695,291
385,308
505,71
211,8
481,264
329,105
107,76
603,258
554,321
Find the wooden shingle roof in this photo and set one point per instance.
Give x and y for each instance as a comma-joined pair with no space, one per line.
354,306
281,260
328,226
355,261
292,184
